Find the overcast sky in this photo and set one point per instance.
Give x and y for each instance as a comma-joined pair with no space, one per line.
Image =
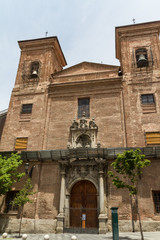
85,29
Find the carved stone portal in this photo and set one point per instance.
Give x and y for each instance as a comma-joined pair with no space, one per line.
83,133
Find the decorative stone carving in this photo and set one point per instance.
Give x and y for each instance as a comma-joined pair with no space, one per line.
83,133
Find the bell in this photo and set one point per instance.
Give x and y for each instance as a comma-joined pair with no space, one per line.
34,73
142,61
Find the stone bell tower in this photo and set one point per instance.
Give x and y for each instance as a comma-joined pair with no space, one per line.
39,59
138,49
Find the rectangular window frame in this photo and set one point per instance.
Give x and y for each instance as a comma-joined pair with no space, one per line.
156,202
84,107
26,108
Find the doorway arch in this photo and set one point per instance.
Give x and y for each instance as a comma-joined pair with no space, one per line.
83,200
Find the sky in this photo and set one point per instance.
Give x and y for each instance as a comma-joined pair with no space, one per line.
85,29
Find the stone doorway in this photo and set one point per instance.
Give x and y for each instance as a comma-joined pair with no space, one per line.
83,200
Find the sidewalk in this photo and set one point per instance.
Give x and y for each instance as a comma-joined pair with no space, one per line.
108,236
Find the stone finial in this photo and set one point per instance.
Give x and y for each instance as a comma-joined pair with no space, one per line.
84,114
46,237
74,124
73,237
24,236
68,145
92,124
4,235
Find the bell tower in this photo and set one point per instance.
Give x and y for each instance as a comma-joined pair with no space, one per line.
39,59
137,47
29,100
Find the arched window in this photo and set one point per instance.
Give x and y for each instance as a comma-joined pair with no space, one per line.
34,69
141,57
83,141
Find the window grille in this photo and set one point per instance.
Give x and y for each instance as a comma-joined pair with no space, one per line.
26,108
147,99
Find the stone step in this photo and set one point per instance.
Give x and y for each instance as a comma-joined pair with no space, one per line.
81,230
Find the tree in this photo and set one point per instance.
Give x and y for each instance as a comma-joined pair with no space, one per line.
128,171
22,197
9,173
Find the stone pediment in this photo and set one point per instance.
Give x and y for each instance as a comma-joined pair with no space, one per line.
86,68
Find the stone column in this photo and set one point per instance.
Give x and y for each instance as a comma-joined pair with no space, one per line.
102,216
60,217
67,212
101,192
62,193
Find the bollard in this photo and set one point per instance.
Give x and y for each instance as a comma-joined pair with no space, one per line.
46,237
24,236
4,235
73,237
115,230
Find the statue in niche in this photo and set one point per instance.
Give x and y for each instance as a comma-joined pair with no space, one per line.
83,141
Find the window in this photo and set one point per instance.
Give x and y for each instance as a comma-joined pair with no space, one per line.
9,198
153,138
26,108
141,58
21,143
83,106
34,69
156,200
147,99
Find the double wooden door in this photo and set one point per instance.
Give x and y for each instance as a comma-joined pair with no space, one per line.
83,200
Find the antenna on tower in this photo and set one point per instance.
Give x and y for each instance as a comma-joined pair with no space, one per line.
134,20
46,33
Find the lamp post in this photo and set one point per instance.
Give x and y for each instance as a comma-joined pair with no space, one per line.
29,173
26,167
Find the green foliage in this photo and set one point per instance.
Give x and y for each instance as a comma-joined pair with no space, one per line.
9,172
22,197
128,167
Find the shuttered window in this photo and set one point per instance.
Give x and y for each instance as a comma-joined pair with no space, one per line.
153,138
156,200
83,106
21,143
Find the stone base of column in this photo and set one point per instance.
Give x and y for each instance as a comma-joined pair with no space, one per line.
60,223
102,223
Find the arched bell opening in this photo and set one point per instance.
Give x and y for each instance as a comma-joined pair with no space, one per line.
83,205
142,57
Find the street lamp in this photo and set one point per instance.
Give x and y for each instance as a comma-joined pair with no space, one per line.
29,173
26,167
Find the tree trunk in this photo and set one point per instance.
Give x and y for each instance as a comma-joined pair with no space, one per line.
133,228
139,218
20,224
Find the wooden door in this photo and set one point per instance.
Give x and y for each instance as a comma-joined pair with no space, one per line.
83,200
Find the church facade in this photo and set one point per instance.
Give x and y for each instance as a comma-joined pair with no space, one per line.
69,124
